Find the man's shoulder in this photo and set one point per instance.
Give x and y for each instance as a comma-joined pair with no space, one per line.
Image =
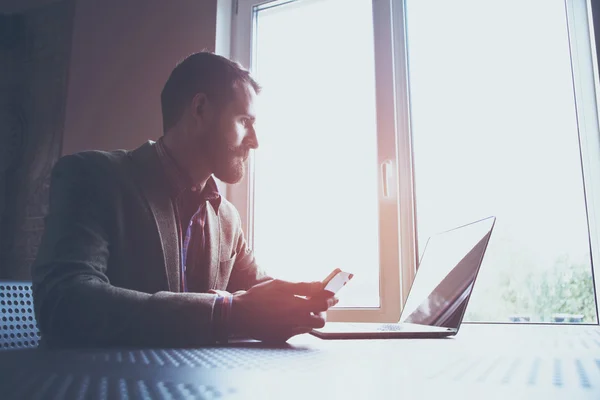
94,162
228,210
229,214
94,157
101,169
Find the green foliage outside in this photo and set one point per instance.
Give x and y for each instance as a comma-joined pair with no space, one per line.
538,294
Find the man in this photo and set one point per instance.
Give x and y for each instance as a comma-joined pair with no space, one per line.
140,248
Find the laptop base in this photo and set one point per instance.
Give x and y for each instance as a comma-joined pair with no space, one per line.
364,330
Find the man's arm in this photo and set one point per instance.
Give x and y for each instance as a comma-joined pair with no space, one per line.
75,303
246,272
258,306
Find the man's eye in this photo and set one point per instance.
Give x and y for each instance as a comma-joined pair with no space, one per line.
246,122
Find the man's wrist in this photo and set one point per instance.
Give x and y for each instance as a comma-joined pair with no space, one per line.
226,318
236,321
222,317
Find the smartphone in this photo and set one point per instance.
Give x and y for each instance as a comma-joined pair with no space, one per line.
336,280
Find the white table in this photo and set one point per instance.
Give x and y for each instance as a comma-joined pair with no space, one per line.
481,362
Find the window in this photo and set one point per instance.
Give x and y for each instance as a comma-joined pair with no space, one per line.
319,146
393,120
314,197
494,127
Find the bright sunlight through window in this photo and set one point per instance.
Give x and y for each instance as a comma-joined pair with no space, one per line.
495,133
315,173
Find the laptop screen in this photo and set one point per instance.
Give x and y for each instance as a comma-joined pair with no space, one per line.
446,275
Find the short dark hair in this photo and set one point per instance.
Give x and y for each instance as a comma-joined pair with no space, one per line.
202,72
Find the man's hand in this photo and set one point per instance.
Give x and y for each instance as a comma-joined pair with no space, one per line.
272,311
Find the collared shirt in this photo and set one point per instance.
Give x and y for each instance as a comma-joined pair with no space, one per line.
190,201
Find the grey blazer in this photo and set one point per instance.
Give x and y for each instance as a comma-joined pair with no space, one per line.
107,270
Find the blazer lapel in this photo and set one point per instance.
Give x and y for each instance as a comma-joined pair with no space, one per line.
152,180
214,245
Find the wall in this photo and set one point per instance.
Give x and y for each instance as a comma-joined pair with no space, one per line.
34,54
20,6
122,54
77,75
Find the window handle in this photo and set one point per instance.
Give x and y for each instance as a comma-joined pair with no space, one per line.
386,176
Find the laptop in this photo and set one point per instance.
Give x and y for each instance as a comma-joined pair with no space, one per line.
439,294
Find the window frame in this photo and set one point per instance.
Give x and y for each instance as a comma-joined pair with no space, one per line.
398,267
583,45
584,58
395,243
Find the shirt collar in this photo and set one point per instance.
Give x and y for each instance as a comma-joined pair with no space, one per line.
181,181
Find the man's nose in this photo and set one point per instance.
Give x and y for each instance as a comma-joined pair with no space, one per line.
252,139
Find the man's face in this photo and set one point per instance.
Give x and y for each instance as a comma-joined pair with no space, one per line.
233,136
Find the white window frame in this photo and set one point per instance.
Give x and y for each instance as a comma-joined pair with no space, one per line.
584,69
397,211
396,228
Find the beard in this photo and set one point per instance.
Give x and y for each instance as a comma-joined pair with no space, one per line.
228,162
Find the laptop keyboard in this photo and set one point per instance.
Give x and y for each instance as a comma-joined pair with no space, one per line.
372,327
390,328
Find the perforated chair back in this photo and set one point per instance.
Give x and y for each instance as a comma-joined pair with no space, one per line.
18,328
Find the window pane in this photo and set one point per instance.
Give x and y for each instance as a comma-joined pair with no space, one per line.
315,187
494,132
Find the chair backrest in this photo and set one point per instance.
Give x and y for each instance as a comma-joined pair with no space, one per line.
18,327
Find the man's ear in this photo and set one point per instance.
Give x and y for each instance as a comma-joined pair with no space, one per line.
201,109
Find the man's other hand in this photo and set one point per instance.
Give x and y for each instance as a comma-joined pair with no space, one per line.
272,311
